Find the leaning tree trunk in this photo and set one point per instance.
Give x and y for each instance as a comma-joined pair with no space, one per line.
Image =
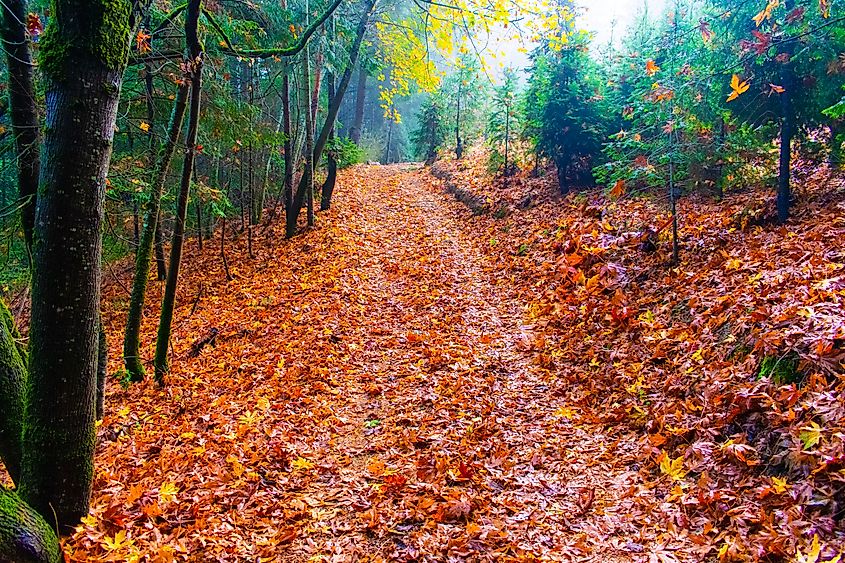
132,340
24,114
331,174
83,55
169,300
331,115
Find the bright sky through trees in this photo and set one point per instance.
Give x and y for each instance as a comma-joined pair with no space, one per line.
609,19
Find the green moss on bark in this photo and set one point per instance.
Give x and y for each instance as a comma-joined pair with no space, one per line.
80,32
12,381
25,537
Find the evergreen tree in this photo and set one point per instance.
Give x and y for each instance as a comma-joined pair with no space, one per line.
565,110
431,133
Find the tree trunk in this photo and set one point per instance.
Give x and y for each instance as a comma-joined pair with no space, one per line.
161,265
787,131
331,174
459,145
131,340
389,142
24,114
25,537
287,182
83,55
331,115
360,99
169,300
287,146
308,175
12,385
102,368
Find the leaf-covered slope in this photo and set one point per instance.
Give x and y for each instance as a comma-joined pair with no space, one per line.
730,365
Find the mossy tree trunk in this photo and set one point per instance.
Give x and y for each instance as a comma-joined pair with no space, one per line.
83,55
168,303
12,381
24,114
132,335
25,537
47,426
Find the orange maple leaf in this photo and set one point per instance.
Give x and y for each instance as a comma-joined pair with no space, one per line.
618,189
737,87
142,42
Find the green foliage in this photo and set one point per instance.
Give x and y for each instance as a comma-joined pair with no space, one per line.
345,152
783,370
431,133
565,110
464,94
505,118
670,87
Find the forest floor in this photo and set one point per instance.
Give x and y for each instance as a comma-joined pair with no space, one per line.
392,386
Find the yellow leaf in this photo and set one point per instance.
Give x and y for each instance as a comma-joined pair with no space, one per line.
674,468
302,463
565,412
811,556
144,126
119,542
779,485
651,68
167,492
737,87
810,435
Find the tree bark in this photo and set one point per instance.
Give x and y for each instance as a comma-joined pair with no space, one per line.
25,537
161,264
24,114
12,385
331,174
83,55
132,335
459,145
787,130
102,368
308,174
169,300
360,99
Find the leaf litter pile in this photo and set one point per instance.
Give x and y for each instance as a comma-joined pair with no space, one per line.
411,381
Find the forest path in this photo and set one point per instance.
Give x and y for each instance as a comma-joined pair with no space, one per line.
372,397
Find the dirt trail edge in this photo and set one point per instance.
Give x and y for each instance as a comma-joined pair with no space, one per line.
372,397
